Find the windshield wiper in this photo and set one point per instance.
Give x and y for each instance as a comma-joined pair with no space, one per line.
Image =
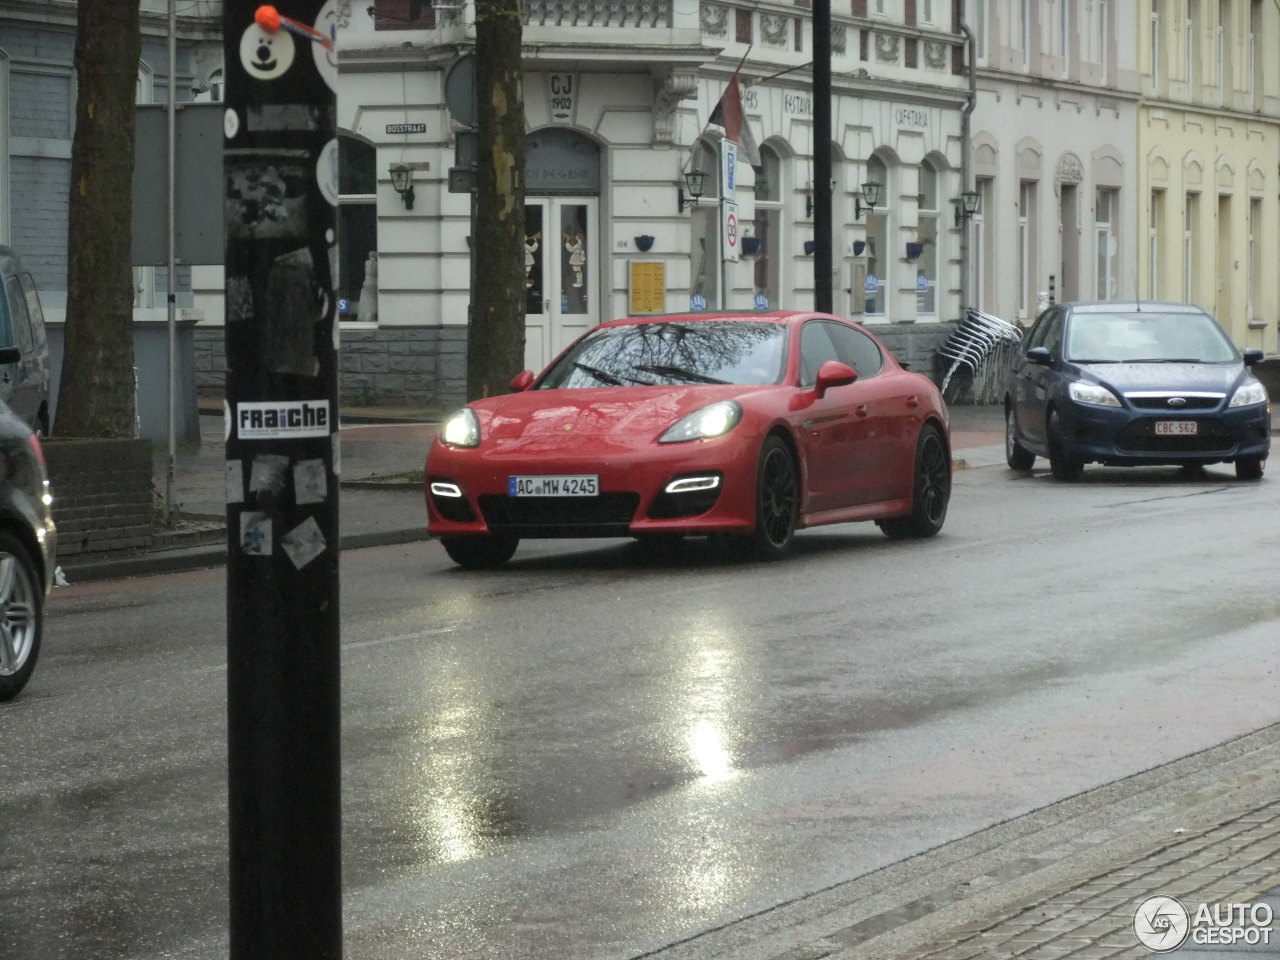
663,370
602,376
1093,360
1165,360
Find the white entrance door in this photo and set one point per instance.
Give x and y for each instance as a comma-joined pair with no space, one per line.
560,275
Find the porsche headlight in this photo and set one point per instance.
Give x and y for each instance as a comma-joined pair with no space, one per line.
1082,392
1249,394
461,429
713,420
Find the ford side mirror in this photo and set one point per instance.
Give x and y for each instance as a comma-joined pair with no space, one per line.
1251,356
1039,356
522,381
833,373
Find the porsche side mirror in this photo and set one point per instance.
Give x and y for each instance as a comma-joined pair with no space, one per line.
522,381
833,373
1039,356
1252,356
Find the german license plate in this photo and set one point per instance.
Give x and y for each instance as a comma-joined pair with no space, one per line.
1176,428
578,485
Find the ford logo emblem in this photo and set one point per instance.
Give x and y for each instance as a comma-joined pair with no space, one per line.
1177,402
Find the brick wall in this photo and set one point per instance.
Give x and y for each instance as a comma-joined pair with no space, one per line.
102,494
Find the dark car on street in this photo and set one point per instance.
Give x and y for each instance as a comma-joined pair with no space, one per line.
28,542
25,369
1134,384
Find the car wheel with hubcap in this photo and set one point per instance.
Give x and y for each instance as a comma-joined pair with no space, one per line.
1065,468
482,552
1250,468
777,500
21,616
1015,454
930,490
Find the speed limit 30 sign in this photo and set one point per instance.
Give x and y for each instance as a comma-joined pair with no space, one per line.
729,229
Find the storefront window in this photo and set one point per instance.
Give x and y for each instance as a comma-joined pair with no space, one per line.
704,231
927,235
767,269
877,252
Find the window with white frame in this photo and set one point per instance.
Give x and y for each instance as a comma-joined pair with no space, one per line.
1155,44
1223,35
926,11
978,23
1255,78
357,287
1189,285
1024,31
704,229
767,230
1064,35
1254,280
979,242
1102,55
1106,205
875,284
1155,244
1026,225
1189,41
927,235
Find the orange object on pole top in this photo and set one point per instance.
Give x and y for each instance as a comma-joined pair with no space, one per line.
267,17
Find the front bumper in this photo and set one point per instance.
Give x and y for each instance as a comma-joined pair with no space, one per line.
1127,437
632,500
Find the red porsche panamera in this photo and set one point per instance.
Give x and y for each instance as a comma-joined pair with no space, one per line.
746,425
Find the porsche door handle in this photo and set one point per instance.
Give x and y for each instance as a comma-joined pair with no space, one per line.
913,401
860,410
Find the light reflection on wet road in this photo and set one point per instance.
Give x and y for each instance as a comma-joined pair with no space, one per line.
592,755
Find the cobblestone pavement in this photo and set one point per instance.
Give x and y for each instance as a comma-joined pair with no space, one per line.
1061,882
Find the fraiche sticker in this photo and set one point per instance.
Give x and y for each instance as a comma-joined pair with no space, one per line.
282,419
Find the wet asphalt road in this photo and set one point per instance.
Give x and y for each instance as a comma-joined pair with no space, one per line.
592,755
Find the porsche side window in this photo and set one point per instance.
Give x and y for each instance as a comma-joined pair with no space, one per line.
816,349
856,349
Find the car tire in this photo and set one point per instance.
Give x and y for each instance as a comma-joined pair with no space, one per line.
1015,454
930,490
480,553
777,500
21,616
1065,469
1250,468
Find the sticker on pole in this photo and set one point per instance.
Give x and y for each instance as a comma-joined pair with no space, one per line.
284,420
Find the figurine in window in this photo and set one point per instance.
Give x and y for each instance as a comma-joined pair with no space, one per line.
577,256
530,248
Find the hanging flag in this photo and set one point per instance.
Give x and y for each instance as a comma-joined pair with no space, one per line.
729,114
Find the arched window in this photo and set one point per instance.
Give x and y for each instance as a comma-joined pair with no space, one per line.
927,235
357,287
877,252
769,191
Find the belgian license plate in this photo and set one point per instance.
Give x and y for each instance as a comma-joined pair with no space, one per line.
581,485
1176,428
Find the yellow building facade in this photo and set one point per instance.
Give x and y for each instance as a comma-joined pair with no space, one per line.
1209,151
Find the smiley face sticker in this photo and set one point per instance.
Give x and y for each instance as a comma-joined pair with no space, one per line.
266,54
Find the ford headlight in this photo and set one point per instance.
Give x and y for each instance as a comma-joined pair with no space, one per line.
461,429
1249,394
713,420
1082,392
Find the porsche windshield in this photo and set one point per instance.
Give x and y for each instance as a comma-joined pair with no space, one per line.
665,354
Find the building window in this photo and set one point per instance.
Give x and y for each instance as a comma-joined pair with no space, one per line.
878,255
1189,285
357,286
704,226
1155,244
1155,44
1224,34
1024,31
980,241
1255,259
1064,35
1102,58
1026,226
1106,204
927,234
1255,79
767,269
1189,41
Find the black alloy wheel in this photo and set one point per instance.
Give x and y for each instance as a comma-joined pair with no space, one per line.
1065,468
1015,454
21,616
485,552
930,490
777,500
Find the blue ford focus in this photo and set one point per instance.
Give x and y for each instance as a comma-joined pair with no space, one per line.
1134,384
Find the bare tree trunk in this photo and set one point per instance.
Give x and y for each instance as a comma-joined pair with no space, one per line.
495,345
96,395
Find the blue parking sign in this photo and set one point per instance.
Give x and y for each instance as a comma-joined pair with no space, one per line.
762,302
697,303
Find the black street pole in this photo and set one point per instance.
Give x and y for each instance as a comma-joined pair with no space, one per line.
283,721
823,255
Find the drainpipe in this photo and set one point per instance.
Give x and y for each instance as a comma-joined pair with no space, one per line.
966,149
